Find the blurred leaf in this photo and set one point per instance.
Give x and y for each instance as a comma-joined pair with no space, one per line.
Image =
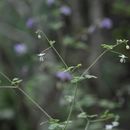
109,47
16,81
82,115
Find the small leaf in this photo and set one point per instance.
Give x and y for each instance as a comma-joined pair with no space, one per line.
53,126
90,76
52,42
109,47
54,120
82,115
79,65
77,79
70,68
69,98
69,122
16,81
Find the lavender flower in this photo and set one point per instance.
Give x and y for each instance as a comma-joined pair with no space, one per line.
30,23
63,76
66,10
20,48
106,23
50,2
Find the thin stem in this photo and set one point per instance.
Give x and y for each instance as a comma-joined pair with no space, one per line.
71,107
95,61
87,125
46,49
8,87
5,76
42,123
116,52
34,102
99,120
66,66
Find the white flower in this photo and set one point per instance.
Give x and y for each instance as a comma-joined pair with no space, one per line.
108,127
115,123
127,47
41,56
122,58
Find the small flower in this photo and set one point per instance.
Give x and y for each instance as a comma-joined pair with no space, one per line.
106,23
65,10
108,127
39,36
127,47
20,48
122,58
30,23
63,76
41,56
115,123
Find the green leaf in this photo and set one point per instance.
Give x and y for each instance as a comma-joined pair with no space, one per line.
53,126
109,47
69,98
82,115
16,81
77,79
52,42
80,78
54,120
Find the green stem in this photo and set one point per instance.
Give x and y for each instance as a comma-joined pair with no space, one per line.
87,125
66,66
6,77
35,103
71,107
8,87
116,52
95,61
46,49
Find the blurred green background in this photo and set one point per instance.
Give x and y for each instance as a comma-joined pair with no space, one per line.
79,27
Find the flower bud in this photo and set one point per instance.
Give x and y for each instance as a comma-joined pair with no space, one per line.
127,47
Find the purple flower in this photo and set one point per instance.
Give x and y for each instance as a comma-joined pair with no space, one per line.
63,76
66,10
50,2
20,48
30,23
106,23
